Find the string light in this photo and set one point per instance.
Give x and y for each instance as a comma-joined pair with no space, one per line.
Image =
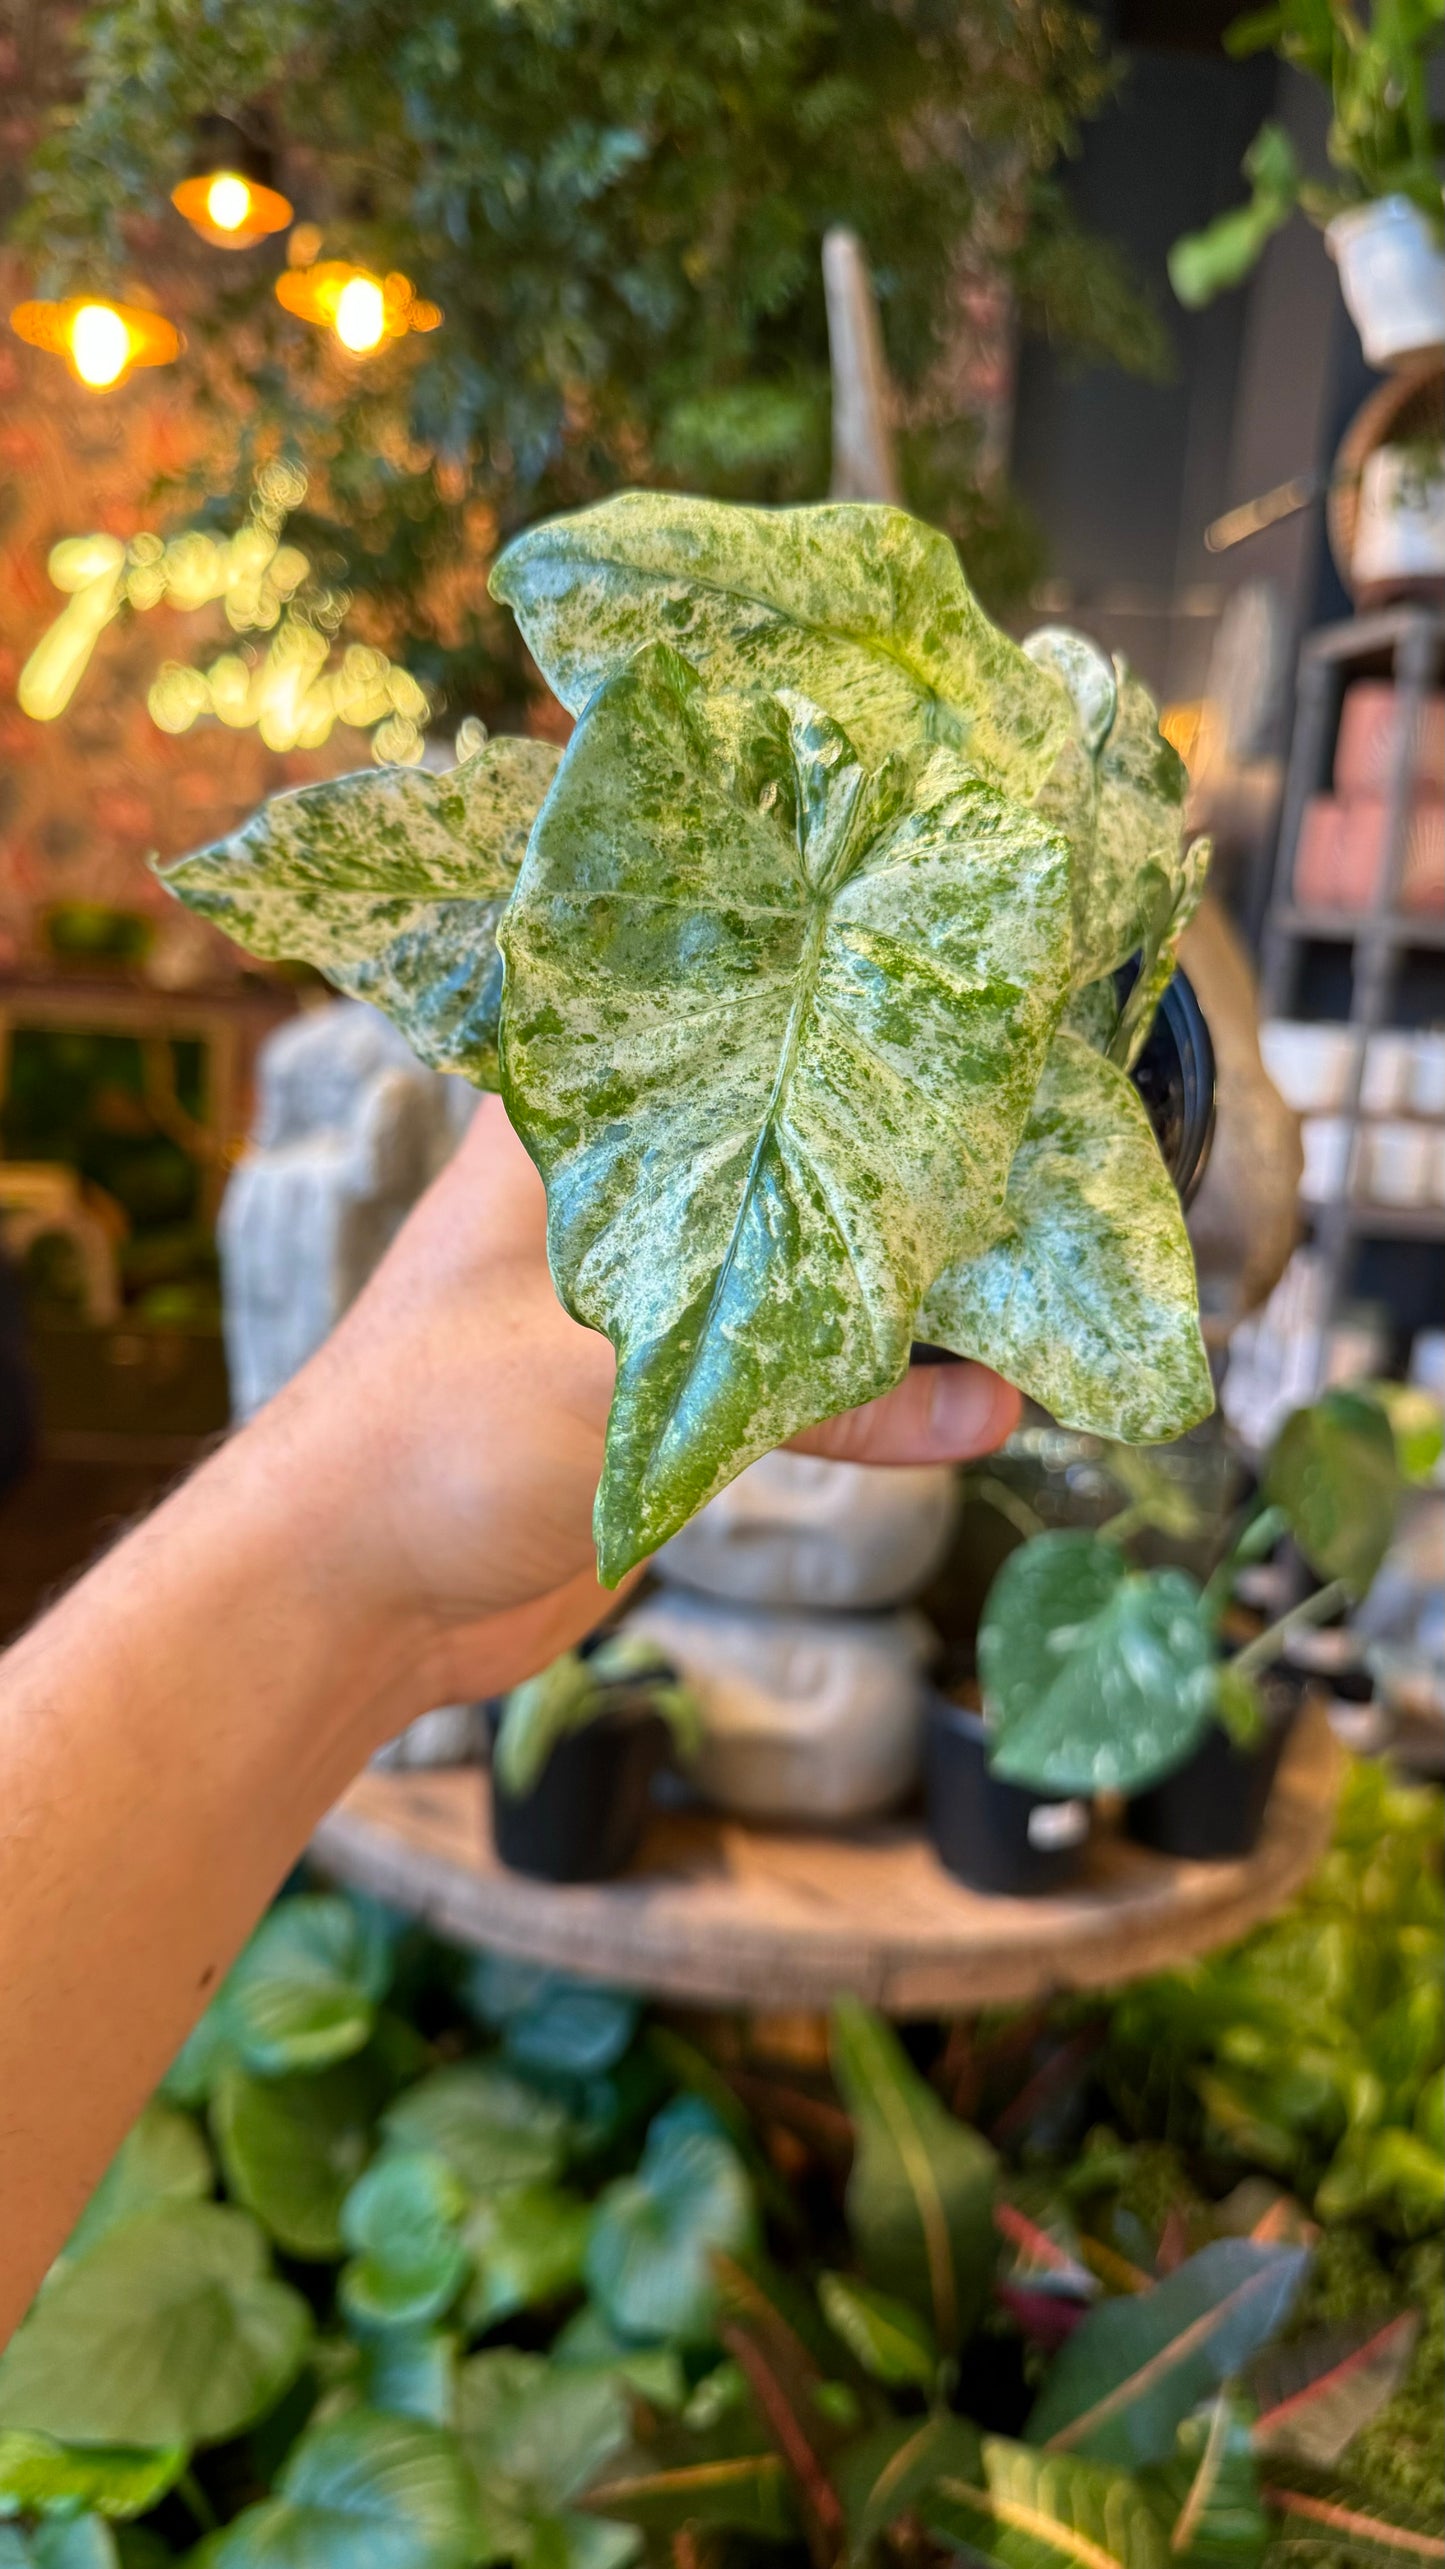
229,196
362,311
100,341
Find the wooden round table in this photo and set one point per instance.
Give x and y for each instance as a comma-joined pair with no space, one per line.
718,1913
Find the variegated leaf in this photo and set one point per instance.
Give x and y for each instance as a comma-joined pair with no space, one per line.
391,883
861,608
1117,790
1088,1300
773,1028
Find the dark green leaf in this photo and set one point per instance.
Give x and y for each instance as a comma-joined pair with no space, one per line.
1087,1300
1333,1470
655,2234
363,2491
163,2159
920,2196
391,883
81,2542
304,1992
1135,2368
402,2222
551,2026
755,1251
885,2474
491,2128
1031,2510
590,2343
863,609
527,2245
411,2373
886,2336
170,2330
293,2147
1095,1676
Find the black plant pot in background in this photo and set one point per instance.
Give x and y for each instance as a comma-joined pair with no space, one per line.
993,1836
1211,1809
584,1817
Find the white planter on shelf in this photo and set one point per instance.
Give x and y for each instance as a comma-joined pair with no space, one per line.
1427,1075
1385,1088
1400,1163
806,1717
1400,527
1392,276
1309,1064
799,1530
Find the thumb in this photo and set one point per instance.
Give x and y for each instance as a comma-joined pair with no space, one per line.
937,1414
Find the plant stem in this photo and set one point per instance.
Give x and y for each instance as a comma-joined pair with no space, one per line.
190,2491
1117,1529
1266,1645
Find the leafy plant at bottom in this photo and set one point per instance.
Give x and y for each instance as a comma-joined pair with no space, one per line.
293,2147
536,2438
655,2234
364,2491
169,2330
402,2223
921,2193
624,1675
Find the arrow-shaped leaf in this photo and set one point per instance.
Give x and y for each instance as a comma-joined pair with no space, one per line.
1087,1300
920,2197
864,609
884,2475
391,883
1209,2494
886,2336
1137,2367
724,934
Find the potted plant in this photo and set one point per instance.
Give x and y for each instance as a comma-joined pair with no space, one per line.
1380,211
1101,1675
796,973
574,1754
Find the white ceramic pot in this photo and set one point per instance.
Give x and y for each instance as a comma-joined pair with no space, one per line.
1400,1163
811,1718
798,1530
1326,1140
1400,526
1392,276
1389,1063
1309,1065
1427,1075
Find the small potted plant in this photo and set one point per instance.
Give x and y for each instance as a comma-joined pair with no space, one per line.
574,1754
995,1836
1381,208
798,973
1101,1675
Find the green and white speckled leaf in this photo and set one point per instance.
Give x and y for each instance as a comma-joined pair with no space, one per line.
773,1028
391,883
1088,1301
861,608
1117,790
1096,1678
1160,954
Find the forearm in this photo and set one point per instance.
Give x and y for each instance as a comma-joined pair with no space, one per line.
168,1738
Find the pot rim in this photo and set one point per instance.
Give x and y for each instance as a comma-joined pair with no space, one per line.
1396,208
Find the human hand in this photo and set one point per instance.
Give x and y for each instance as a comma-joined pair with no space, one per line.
457,1416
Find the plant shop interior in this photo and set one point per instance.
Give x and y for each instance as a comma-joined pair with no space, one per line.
807,637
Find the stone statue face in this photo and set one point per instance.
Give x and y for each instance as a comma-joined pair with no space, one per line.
796,1529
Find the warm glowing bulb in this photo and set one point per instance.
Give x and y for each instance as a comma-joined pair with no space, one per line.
99,344
360,315
228,201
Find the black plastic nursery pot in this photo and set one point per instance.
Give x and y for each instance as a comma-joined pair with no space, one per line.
1211,1809
584,1817
994,1836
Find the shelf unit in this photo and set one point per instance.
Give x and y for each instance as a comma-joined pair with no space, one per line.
1407,643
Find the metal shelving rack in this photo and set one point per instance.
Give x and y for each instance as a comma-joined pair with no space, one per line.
1408,643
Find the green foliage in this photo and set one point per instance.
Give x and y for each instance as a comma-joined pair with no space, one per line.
798,2382
620,212
1374,57
818,804
1333,1469
921,2193
624,1677
1094,1675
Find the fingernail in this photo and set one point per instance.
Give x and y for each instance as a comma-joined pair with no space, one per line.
968,1408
